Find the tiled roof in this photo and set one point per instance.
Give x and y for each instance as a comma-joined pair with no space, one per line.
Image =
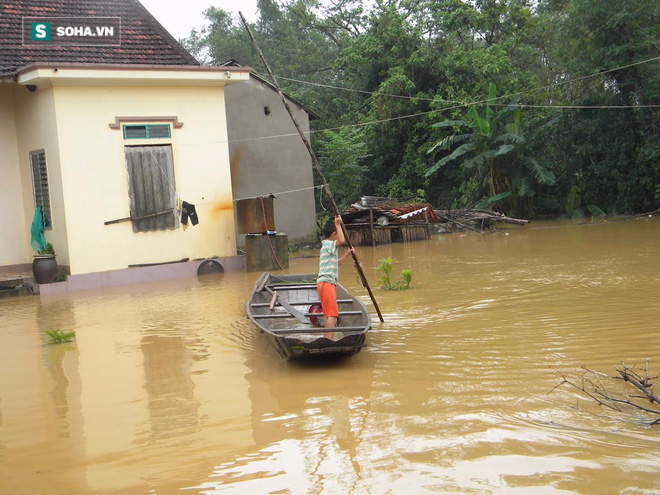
143,39
396,212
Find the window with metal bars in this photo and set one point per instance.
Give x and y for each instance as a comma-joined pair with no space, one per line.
40,186
147,131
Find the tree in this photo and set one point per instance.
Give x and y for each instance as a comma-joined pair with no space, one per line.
493,155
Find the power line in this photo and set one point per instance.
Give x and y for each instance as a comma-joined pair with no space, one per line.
457,104
463,103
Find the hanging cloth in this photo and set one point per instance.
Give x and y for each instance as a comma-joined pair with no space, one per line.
37,239
188,210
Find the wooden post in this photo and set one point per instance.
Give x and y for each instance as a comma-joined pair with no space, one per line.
371,225
316,163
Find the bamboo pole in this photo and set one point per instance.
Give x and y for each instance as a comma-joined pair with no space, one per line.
317,165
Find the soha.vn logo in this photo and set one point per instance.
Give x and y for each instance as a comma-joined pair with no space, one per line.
41,31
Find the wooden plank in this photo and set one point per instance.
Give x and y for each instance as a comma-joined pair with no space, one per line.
292,287
300,303
371,226
287,315
290,331
297,314
263,282
272,301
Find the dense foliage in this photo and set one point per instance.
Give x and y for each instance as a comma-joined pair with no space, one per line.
529,107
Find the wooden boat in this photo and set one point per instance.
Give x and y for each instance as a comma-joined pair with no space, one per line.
286,308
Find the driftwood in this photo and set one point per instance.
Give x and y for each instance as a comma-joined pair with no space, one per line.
632,389
477,220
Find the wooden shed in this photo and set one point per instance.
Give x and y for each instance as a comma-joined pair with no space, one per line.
383,221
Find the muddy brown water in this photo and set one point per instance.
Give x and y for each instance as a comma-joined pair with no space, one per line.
168,388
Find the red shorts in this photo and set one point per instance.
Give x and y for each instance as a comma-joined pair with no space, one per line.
328,295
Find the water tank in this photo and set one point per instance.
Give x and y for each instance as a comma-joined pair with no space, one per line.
255,215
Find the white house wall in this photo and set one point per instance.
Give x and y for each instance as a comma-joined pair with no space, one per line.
36,129
262,163
13,224
95,182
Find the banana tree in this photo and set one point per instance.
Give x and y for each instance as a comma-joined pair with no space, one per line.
491,149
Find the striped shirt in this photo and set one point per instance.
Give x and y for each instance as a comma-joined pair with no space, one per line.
328,263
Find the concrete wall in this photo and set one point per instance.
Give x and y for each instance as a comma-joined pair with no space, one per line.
95,182
36,129
261,164
13,224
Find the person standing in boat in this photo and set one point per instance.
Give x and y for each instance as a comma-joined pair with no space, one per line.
329,271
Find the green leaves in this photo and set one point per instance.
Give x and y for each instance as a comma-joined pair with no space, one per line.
386,266
540,172
460,151
488,203
573,201
59,337
341,154
495,156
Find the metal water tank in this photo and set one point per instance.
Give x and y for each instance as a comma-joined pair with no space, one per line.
255,215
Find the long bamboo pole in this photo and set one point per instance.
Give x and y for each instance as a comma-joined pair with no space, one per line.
315,161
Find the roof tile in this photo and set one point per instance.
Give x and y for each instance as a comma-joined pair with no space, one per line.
143,38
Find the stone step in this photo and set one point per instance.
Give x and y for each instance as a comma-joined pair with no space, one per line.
12,283
6,292
15,284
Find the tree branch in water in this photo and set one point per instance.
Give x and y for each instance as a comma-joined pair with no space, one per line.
614,392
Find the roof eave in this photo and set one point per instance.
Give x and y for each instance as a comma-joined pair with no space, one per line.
47,73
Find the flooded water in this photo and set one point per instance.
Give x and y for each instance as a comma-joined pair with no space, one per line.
169,389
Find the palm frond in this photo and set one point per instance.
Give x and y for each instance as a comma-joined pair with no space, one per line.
485,203
452,123
573,201
509,137
523,187
449,141
595,211
461,150
541,174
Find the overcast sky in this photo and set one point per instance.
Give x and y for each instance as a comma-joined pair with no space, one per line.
180,16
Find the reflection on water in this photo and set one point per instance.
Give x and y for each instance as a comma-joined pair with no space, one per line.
168,387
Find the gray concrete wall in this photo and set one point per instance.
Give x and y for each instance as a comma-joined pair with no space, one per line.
268,156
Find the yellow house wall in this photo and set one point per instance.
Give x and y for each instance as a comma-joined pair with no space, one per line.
13,225
95,180
35,130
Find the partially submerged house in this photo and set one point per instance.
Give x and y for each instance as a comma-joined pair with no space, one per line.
268,155
107,138
374,220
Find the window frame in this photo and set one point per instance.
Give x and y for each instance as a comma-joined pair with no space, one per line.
147,132
137,202
46,210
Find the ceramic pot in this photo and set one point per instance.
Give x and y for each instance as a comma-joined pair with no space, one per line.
44,268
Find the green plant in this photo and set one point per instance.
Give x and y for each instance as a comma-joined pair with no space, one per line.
595,211
59,337
573,201
386,267
48,249
406,278
60,278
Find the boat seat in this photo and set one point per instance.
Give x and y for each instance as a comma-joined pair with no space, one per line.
288,315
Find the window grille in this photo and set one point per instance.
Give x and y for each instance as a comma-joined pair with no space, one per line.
147,131
40,186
